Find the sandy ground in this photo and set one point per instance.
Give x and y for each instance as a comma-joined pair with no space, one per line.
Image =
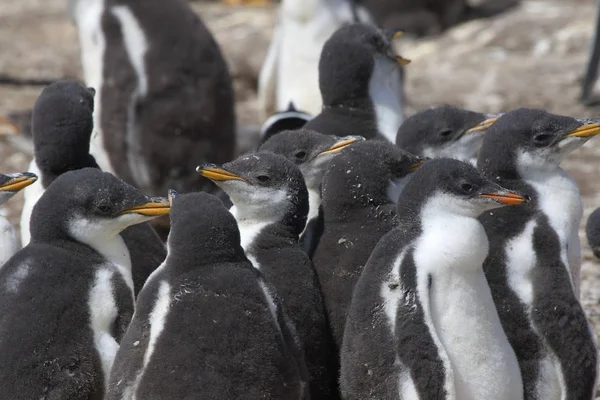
532,56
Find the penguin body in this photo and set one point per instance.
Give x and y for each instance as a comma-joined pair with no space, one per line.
271,204
357,212
161,108
311,152
206,323
592,230
287,120
290,71
533,267
361,83
10,184
444,131
62,127
67,297
422,323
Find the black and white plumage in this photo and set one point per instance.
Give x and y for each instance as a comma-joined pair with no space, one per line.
360,190
206,323
164,97
592,230
270,204
444,131
67,297
62,127
534,262
11,184
422,323
362,85
311,152
287,120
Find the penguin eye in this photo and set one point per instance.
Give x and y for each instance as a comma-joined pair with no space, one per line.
262,178
104,208
301,155
446,133
542,139
467,187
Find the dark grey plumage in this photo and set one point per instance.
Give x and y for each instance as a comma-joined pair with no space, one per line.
592,230
285,120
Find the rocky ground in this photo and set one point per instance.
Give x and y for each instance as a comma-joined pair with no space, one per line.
533,56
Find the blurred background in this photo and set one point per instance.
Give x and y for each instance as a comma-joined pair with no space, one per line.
531,56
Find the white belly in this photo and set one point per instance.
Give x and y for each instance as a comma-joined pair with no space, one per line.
32,194
8,241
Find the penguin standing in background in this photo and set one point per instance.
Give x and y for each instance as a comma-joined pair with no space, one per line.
164,97
360,190
62,126
290,72
288,120
444,131
66,298
592,230
422,323
206,323
311,152
271,204
10,184
534,261
362,84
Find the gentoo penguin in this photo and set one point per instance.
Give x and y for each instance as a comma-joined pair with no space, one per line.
67,297
10,184
361,82
164,97
271,204
592,230
290,72
62,126
534,260
287,120
311,152
360,190
206,323
422,322
444,131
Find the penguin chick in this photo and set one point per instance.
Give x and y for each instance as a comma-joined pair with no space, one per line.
444,131
534,262
361,84
422,323
592,230
360,190
10,184
290,119
206,322
271,204
67,297
311,152
62,128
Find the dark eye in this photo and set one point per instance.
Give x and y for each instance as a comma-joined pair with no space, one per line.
446,133
300,155
542,138
104,208
467,187
262,178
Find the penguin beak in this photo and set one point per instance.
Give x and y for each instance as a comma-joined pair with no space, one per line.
7,127
341,144
585,131
507,198
18,182
483,126
215,173
415,165
157,207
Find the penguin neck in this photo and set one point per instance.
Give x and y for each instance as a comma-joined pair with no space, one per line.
50,170
314,202
8,241
385,91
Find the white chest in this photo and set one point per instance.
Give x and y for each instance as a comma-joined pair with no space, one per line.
32,194
385,88
8,241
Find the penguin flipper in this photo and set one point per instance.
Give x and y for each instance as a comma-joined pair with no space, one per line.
267,79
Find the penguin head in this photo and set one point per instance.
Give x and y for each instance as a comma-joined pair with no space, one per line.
526,141
310,151
62,125
202,230
449,186
348,60
370,173
89,205
263,187
10,184
290,119
444,131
